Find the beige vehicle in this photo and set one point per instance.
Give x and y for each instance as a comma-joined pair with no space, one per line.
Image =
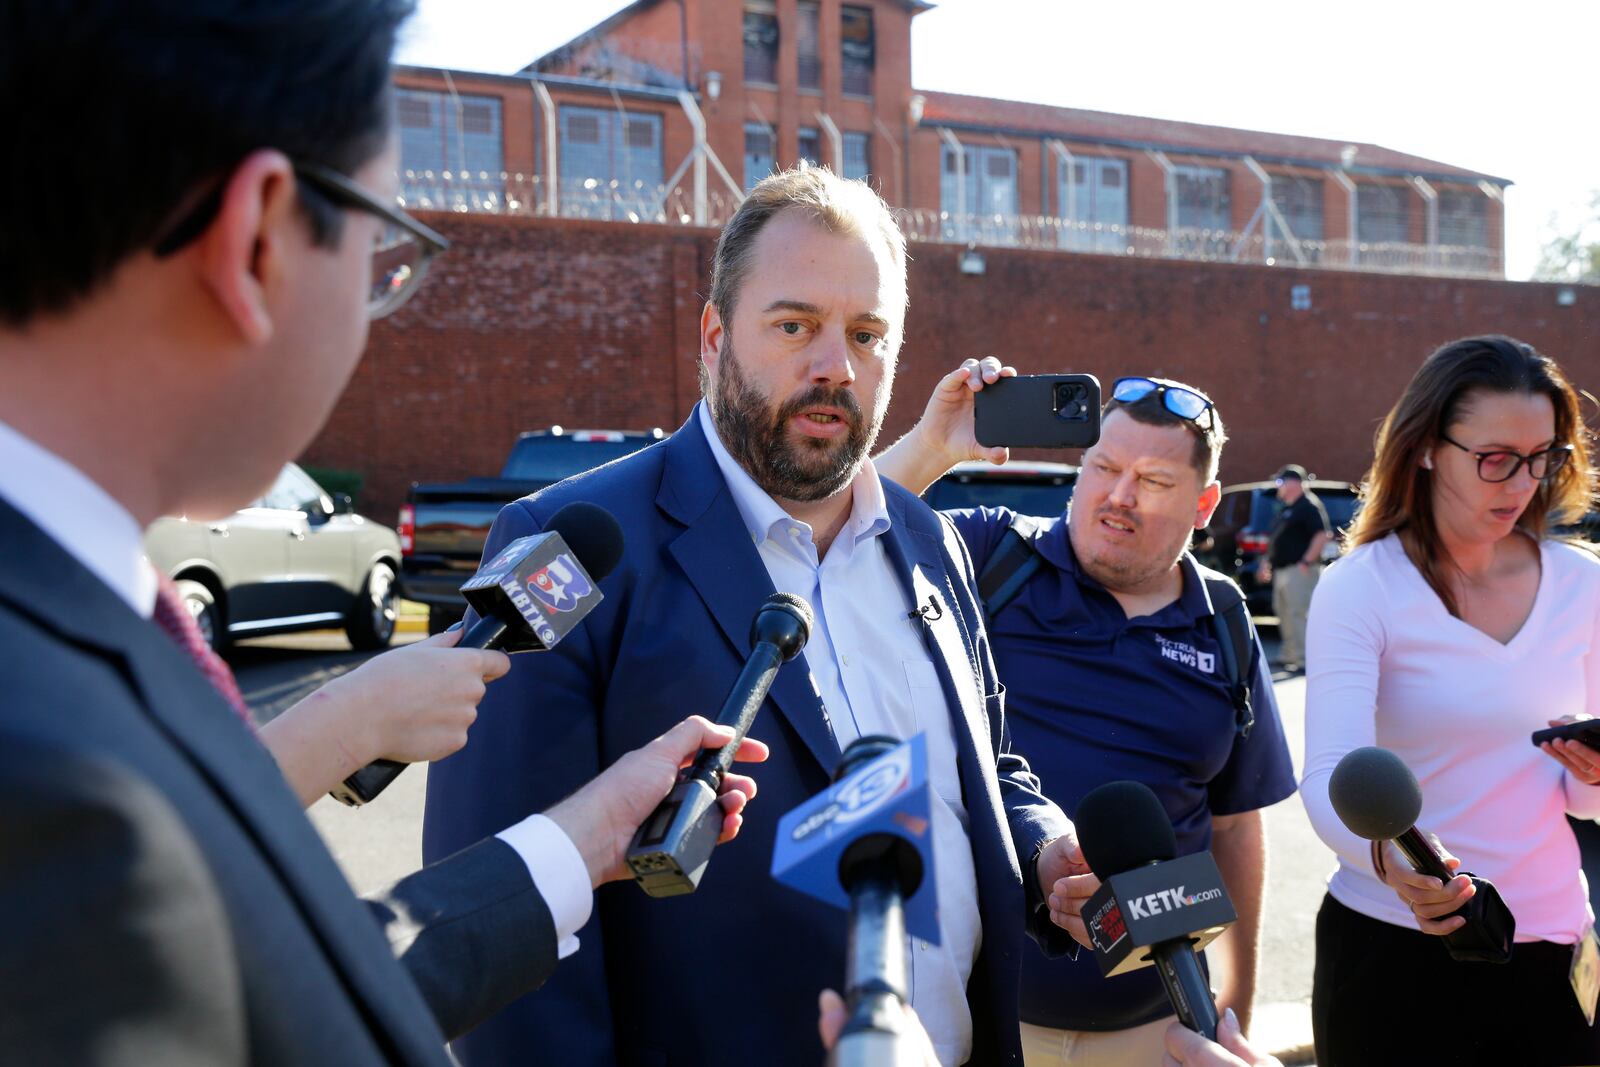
297,559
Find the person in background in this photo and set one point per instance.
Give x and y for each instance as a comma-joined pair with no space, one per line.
1453,627
1294,561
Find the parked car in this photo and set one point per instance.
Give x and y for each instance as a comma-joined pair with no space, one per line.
443,526
296,559
1025,486
1235,541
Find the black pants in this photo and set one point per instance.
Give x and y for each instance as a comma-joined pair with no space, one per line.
1385,994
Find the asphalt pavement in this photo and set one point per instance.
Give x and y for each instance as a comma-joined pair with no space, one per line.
380,842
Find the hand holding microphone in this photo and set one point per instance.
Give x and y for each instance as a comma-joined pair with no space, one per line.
531,595
1155,907
670,852
1377,797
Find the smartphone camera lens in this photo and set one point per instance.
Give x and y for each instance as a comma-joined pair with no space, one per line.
1071,401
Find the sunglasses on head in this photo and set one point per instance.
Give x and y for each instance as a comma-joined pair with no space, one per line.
1181,401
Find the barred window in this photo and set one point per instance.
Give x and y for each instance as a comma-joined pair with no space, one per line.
810,145
808,44
1299,201
1383,214
857,155
1463,218
761,43
610,163
1203,201
856,52
442,133
758,155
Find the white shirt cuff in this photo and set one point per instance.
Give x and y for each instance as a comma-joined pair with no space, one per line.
558,872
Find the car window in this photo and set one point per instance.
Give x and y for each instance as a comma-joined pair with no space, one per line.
295,490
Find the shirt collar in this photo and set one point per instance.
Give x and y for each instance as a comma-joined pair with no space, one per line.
869,511
79,515
1055,544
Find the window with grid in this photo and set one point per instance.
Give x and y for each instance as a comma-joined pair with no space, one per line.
857,155
1463,218
810,145
440,133
1383,214
761,43
808,44
989,185
759,160
1203,202
610,163
856,50
1299,201
1096,200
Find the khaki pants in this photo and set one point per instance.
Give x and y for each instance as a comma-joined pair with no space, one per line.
1138,1046
1291,599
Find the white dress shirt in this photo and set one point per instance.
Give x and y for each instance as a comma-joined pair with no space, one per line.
876,676
97,531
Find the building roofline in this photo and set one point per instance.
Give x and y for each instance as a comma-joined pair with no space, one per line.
1456,178
555,81
617,18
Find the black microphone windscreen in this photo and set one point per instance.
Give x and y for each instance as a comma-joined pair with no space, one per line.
1375,794
1122,825
592,533
798,603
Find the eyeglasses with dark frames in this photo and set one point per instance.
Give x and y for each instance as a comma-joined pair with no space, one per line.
1501,465
401,250
1181,401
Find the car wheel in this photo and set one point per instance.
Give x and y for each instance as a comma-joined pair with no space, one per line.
202,605
441,619
370,624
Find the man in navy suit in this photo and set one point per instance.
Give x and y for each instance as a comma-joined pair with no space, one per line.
165,345
768,486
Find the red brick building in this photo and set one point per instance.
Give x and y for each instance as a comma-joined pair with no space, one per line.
605,127
573,290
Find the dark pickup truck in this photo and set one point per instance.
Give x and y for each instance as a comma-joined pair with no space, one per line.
443,526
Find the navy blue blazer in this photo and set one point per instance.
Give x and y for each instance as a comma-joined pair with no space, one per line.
170,904
729,974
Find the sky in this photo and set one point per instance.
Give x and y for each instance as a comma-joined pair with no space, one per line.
1507,89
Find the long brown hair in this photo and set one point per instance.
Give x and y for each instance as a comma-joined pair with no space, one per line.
1397,493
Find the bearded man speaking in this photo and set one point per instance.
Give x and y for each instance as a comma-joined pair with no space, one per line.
768,487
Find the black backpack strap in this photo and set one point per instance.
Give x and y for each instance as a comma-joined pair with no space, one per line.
1011,564
1240,653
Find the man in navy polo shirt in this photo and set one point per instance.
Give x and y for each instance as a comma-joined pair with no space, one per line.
1113,666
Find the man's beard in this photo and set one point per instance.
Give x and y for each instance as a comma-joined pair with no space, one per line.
806,469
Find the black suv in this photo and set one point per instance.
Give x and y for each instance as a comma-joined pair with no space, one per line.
1235,541
1024,486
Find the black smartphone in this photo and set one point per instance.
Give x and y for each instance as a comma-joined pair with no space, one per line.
1584,730
1039,411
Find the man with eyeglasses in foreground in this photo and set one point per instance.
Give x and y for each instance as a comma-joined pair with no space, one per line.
1113,652
164,347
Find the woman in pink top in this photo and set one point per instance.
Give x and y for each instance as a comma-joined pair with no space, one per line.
1452,629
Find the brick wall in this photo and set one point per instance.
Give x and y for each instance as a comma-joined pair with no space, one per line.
526,323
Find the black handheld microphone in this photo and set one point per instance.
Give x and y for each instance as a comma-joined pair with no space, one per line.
880,872
1377,797
670,852
531,595
1169,907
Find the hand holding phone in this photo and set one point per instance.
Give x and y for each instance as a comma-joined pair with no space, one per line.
1039,411
1586,731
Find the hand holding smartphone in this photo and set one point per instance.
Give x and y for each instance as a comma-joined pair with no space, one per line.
1039,411
1586,731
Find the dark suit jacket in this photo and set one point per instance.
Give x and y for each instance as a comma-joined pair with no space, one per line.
729,974
166,900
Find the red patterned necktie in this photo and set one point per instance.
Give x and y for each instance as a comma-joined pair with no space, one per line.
173,616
